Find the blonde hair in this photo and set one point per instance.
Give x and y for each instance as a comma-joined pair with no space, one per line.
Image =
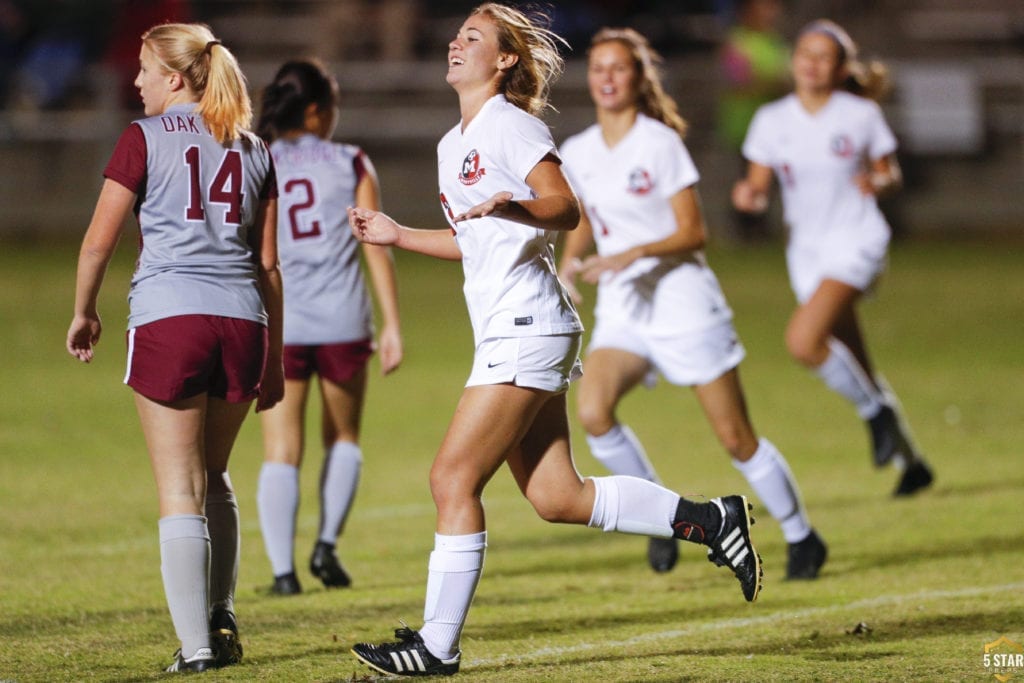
527,83
652,99
870,79
210,70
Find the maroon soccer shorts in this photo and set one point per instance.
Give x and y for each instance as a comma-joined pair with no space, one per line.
186,355
337,363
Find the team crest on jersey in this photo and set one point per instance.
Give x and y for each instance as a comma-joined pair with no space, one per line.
471,172
640,182
841,146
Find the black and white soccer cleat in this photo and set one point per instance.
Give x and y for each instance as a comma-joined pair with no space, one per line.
733,548
408,657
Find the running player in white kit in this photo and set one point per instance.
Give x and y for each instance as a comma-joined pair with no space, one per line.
833,153
204,334
328,317
659,306
506,199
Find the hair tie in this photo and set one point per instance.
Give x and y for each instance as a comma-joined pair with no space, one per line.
208,50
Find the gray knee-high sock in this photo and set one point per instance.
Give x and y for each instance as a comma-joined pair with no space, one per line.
225,544
338,482
277,498
185,566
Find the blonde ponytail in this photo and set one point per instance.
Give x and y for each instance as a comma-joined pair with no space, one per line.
210,70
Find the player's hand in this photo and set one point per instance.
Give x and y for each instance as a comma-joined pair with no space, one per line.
372,227
747,199
495,206
83,335
567,276
389,345
596,265
271,386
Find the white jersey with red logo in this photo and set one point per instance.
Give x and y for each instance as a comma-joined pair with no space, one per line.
511,286
626,191
197,200
325,297
815,158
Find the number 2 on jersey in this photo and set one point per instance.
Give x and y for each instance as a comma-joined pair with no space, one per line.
226,187
291,188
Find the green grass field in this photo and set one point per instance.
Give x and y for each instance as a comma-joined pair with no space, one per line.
934,578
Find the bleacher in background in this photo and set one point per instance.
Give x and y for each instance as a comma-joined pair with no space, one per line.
958,104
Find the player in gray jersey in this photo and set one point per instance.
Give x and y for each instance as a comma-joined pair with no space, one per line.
328,327
204,334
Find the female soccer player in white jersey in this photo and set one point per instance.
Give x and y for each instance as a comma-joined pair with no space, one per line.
659,305
204,335
328,326
506,199
833,153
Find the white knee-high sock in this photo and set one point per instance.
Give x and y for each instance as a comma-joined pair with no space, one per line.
843,374
769,475
277,497
338,482
185,566
455,568
225,544
633,506
621,452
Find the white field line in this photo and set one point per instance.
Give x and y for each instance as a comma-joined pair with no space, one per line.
763,620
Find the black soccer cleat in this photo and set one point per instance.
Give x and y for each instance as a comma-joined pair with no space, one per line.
662,554
733,548
887,439
224,638
325,566
806,558
408,657
286,584
203,660
916,476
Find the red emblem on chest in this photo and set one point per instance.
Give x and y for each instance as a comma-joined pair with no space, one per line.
471,173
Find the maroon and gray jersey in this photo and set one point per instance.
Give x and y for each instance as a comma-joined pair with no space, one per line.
197,200
325,297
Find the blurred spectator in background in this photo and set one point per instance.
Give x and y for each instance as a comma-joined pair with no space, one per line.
754,65
50,45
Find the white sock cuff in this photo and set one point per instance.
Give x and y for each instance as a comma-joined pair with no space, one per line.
174,527
279,469
456,554
606,504
611,438
761,463
346,449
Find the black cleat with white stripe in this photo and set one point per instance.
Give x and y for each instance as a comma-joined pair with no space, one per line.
733,548
408,657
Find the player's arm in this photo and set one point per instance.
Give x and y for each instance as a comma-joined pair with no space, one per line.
385,281
882,177
690,234
375,227
269,275
750,193
98,245
554,207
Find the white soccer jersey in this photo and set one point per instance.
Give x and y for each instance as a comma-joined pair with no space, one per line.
626,192
325,297
511,286
815,158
